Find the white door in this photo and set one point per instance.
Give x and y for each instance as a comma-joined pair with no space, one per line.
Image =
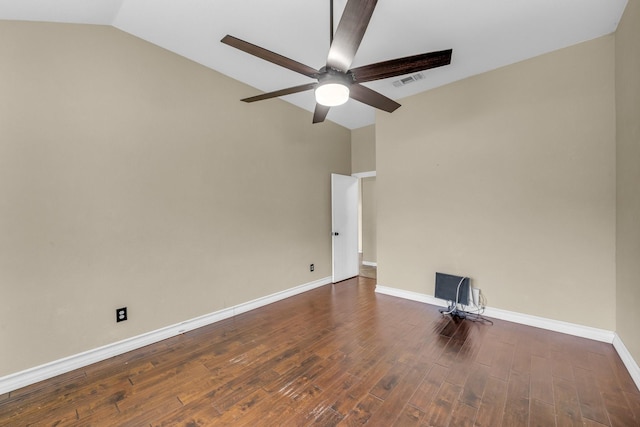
344,223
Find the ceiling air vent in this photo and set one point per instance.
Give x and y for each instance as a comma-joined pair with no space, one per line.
409,79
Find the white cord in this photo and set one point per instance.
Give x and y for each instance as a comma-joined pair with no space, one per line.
479,309
458,293
474,315
454,305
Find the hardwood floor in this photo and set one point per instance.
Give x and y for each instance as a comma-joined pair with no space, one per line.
343,355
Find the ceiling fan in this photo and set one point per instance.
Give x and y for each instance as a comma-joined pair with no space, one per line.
336,83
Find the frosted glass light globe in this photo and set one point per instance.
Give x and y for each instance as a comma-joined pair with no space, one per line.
332,94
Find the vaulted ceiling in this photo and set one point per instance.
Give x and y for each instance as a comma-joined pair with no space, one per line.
484,35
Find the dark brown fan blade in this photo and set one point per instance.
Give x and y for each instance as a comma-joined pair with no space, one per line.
267,55
281,92
349,34
320,113
401,66
373,98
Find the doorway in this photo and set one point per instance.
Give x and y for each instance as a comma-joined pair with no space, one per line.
344,227
353,211
367,226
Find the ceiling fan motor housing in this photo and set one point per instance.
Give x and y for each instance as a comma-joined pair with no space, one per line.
330,75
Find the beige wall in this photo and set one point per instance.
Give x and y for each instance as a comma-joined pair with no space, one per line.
363,149
628,177
363,159
132,177
507,177
369,202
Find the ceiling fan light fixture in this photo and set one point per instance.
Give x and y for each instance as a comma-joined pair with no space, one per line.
332,94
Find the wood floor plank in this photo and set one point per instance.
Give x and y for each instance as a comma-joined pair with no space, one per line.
391,379
288,377
626,382
199,413
578,353
428,388
541,379
511,333
268,412
147,412
522,356
561,367
634,404
447,326
233,394
363,411
475,385
501,365
475,335
541,414
603,372
327,371
440,411
409,416
586,422
387,414
567,405
540,343
359,389
459,372
618,410
243,408
328,417
450,352
516,410
487,349
591,404
343,355
463,415
342,400
492,406
41,391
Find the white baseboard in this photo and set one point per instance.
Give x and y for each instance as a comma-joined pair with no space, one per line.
539,322
370,264
511,316
49,370
627,359
589,332
413,296
367,174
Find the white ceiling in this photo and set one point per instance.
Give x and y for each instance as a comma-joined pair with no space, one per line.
484,35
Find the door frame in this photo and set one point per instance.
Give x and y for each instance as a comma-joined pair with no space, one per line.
358,175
